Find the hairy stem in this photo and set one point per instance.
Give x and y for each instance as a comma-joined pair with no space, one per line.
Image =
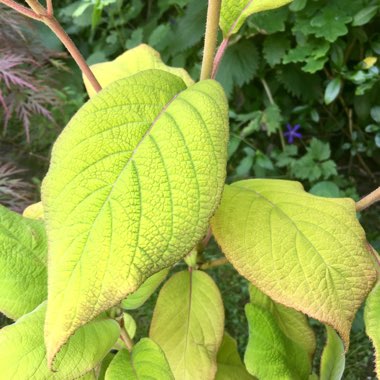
368,200
213,14
21,9
214,263
219,56
49,7
124,336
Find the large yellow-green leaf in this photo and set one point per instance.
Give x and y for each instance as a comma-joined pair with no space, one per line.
188,324
230,366
23,264
23,353
333,359
134,179
146,361
291,322
140,296
270,354
306,252
372,322
235,12
140,58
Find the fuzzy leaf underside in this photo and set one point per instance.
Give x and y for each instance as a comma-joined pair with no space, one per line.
23,264
235,12
188,324
140,58
146,361
134,179
23,353
305,252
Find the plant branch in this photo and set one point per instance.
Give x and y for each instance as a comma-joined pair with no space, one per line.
368,200
124,336
212,25
219,56
21,9
49,7
214,263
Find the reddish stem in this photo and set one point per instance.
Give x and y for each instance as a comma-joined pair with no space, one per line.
21,9
219,56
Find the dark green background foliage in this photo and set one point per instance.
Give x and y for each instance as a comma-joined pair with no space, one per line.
311,64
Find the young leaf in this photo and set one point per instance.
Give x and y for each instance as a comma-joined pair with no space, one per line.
23,264
305,252
139,297
140,58
146,361
188,324
365,15
270,353
332,90
230,366
371,319
333,360
34,211
134,180
23,354
235,12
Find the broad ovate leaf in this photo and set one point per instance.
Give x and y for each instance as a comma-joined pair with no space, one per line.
333,359
230,366
134,180
140,296
372,322
291,322
305,252
146,361
23,354
23,264
188,324
235,12
270,354
140,58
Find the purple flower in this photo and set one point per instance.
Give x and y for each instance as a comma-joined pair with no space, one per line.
292,133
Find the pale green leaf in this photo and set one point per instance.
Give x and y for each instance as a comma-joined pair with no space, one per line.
140,296
146,361
188,324
130,325
291,322
230,366
235,12
305,252
270,353
371,319
23,354
23,264
332,90
134,180
333,359
34,211
140,58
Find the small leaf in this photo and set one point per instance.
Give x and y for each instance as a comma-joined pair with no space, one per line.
23,264
365,15
375,113
270,353
188,324
235,12
23,354
305,252
371,319
140,58
140,296
325,189
333,360
332,90
230,366
146,361
134,179
34,211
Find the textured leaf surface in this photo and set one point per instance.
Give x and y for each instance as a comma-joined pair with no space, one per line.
133,182
23,354
372,322
140,58
140,296
306,252
146,361
270,353
235,12
230,366
23,264
188,324
333,359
